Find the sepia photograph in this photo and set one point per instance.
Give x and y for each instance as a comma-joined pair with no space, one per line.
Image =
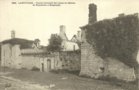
69,44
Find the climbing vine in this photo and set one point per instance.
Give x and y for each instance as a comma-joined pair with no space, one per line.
116,38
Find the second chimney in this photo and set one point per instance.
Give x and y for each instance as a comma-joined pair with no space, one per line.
92,13
12,34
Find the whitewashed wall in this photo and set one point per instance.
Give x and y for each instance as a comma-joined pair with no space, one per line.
69,46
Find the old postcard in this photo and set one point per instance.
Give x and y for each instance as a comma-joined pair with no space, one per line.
69,45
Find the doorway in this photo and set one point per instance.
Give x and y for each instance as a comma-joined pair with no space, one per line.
48,64
42,67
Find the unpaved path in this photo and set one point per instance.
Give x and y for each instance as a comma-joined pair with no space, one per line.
8,83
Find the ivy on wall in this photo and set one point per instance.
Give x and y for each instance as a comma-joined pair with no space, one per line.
116,38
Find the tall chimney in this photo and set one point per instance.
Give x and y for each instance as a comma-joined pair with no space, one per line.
79,35
92,13
12,34
62,33
62,29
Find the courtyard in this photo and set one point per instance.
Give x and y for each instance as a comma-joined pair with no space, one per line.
57,81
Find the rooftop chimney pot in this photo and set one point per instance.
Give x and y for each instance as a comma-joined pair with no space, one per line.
12,34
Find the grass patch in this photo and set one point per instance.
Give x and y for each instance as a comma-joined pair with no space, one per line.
73,82
65,71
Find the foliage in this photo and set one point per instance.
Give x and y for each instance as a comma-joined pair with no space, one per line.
36,41
35,68
54,43
115,38
76,72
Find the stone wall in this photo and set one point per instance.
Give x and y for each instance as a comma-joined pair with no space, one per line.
70,60
95,67
29,61
11,56
32,60
115,68
90,62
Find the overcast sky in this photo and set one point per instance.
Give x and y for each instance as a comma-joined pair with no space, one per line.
32,22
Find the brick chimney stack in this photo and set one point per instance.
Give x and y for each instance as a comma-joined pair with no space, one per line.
12,34
92,13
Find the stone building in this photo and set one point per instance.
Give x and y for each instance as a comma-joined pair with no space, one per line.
29,54
93,65
69,55
22,53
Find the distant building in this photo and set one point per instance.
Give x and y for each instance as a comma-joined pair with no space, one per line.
29,54
22,53
76,38
67,45
70,55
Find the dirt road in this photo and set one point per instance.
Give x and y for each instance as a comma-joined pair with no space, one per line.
7,83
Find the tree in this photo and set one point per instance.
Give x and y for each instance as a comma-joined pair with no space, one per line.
54,43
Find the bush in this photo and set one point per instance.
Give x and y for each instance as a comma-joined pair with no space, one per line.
117,38
54,43
23,68
65,71
35,69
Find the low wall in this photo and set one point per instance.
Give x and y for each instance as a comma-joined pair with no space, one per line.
30,61
70,60
44,62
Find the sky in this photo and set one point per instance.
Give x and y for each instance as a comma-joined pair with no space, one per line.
31,22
